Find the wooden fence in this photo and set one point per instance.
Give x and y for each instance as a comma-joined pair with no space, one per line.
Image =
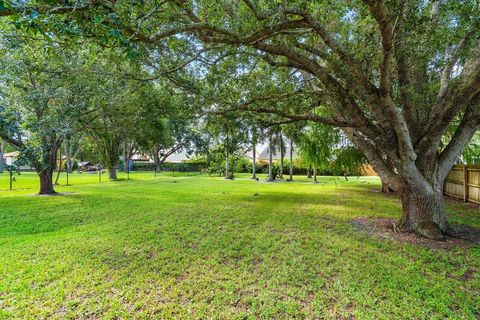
463,182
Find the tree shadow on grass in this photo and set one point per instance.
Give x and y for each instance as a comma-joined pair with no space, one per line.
384,228
331,200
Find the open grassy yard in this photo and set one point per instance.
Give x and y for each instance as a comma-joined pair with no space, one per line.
198,247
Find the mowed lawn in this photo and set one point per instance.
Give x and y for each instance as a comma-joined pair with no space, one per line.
201,247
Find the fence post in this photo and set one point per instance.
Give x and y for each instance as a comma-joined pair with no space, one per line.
465,183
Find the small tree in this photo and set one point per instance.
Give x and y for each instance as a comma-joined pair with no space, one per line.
12,169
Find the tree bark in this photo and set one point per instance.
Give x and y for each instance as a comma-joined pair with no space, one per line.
309,172
423,210
156,159
315,175
112,160
46,167
112,173
385,188
46,182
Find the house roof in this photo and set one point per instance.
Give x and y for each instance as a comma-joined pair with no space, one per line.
141,157
178,157
264,155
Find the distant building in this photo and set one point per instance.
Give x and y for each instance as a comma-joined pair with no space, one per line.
9,159
141,158
177,157
264,156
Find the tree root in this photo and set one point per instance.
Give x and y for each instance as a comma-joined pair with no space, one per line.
429,231
452,232
395,229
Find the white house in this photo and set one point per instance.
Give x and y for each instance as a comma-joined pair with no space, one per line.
177,157
264,156
10,157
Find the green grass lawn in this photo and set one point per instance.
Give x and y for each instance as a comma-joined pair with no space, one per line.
198,247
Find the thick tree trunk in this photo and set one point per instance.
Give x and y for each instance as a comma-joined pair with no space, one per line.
309,172
156,159
423,210
46,168
46,182
112,173
315,175
419,182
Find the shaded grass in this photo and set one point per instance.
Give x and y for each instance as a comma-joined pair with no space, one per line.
203,247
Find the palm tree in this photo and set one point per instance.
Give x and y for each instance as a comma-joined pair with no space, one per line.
271,148
282,152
